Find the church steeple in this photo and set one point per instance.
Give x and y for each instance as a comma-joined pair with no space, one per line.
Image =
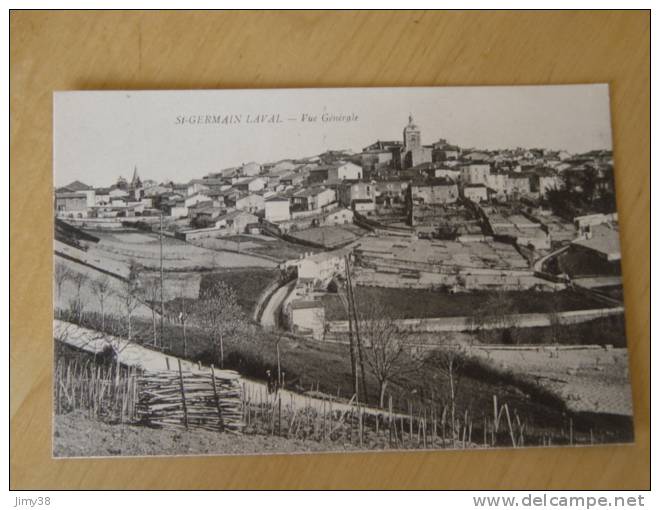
412,137
135,188
135,182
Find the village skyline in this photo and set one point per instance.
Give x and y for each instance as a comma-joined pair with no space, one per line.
315,299
105,132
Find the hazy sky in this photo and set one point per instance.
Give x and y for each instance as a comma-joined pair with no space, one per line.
101,135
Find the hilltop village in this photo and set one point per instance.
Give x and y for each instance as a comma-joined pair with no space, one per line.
408,215
344,288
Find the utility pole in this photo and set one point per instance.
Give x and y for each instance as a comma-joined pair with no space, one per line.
162,304
354,371
356,319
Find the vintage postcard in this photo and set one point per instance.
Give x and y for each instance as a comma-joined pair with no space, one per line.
325,270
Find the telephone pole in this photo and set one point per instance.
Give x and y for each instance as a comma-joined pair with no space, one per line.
356,319
162,304
349,312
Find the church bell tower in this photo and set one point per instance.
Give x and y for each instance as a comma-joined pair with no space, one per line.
412,137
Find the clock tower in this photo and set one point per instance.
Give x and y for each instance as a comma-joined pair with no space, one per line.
412,137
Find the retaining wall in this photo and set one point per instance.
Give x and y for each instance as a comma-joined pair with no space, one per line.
527,320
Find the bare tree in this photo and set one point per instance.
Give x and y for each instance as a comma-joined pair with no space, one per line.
499,312
449,360
554,316
128,302
150,292
275,340
387,349
76,304
61,274
129,297
101,289
183,308
343,296
220,314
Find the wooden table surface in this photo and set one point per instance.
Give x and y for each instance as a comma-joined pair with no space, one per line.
188,50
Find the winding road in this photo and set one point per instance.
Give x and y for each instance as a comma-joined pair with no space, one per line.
269,317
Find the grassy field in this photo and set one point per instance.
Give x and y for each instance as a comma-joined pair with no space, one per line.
414,303
75,435
70,291
330,236
576,264
247,283
325,368
273,247
144,248
256,245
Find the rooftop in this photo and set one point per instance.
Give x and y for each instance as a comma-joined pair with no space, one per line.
70,194
604,239
305,305
76,186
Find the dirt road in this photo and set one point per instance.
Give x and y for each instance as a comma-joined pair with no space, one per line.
272,308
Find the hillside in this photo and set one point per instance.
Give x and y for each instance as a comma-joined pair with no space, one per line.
75,435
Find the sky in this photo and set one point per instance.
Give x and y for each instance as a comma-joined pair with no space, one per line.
99,136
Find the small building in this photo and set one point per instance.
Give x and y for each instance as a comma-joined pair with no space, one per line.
71,203
195,186
445,172
476,172
475,192
320,266
252,203
348,192
376,160
476,156
250,169
291,179
235,222
391,190
544,179
101,196
307,317
343,171
434,191
312,199
80,187
228,224
284,165
518,184
197,198
117,193
596,252
179,210
363,205
443,151
251,184
277,208
498,183
338,217
204,214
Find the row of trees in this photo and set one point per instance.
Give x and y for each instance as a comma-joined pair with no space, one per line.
390,356
216,311
586,195
378,345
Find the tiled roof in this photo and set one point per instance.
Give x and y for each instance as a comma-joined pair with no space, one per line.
76,186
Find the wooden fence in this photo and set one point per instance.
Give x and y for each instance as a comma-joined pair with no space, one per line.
206,400
210,400
100,390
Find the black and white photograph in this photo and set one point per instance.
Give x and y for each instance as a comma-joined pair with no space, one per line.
267,271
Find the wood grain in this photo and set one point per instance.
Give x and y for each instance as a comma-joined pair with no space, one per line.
182,50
